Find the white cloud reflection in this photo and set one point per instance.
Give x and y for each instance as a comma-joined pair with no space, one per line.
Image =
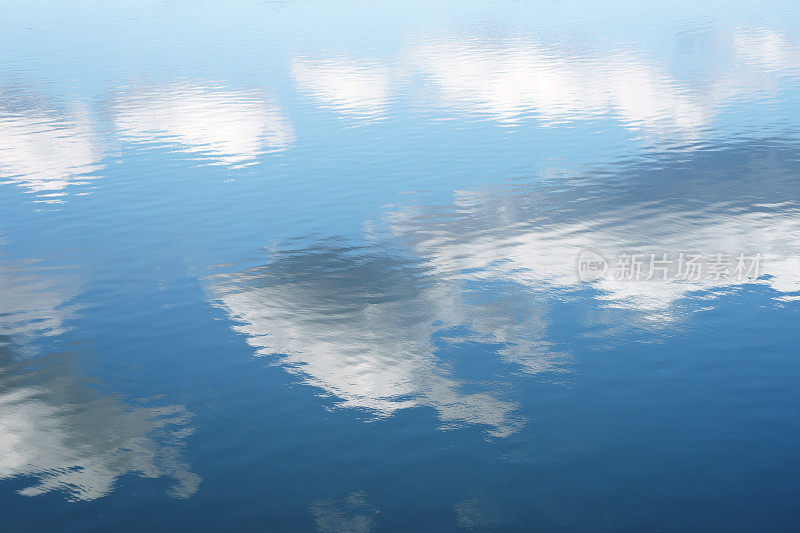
534,235
767,49
511,80
55,428
373,329
44,149
74,440
36,301
356,90
372,332
226,126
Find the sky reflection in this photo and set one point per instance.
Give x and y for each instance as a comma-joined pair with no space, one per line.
224,126
386,204
369,324
58,434
738,199
357,91
37,301
511,79
44,147
369,328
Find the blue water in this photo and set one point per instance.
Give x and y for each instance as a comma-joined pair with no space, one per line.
315,266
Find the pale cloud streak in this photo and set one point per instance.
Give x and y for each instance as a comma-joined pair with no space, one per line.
358,91
222,125
45,150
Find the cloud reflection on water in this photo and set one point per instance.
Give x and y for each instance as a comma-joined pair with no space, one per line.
45,147
742,199
225,126
356,90
372,325
62,435
57,432
353,514
511,80
36,301
371,329
515,78
767,49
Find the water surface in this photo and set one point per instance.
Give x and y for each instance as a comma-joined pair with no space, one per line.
316,266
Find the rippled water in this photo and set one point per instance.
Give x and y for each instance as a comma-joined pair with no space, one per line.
347,267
